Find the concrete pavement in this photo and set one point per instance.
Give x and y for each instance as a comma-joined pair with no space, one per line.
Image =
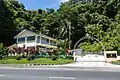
91,64
75,64
56,74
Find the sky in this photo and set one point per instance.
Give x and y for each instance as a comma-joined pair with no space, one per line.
43,4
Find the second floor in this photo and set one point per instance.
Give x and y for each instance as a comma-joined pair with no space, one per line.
35,39
26,36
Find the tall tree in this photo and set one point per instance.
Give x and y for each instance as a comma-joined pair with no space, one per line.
7,27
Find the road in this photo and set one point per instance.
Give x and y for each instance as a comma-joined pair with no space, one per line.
57,74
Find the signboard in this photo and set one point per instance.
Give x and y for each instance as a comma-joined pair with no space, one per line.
110,55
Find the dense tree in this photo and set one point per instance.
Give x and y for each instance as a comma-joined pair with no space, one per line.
40,11
7,27
50,10
72,21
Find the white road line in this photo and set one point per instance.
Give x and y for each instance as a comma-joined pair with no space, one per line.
1,75
65,78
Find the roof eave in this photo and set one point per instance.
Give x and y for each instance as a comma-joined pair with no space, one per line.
20,33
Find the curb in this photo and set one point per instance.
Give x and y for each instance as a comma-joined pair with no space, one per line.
38,64
41,65
54,66
30,65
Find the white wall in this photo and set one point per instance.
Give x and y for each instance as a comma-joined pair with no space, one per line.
98,58
30,44
20,45
118,57
26,34
27,44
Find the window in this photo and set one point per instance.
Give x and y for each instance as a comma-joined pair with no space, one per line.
31,39
38,39
21,40
44,40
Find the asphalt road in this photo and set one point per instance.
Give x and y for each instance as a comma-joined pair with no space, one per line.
57,74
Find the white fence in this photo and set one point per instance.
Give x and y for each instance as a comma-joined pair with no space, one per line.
90,58
85,56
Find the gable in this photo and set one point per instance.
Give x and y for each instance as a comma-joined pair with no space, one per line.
25,33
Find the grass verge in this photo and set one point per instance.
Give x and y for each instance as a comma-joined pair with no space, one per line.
116,62
36,61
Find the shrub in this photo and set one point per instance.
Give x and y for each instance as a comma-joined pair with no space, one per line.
47,55
32,51
1,57
3,50
23,56
54,57
28,58
18,57
69,57
31,57
63,56
11,57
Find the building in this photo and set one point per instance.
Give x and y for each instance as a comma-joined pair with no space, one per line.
28,39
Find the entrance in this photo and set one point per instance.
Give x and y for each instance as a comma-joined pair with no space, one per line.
90,57
87,56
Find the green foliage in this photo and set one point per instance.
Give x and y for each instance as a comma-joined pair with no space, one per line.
11,57
61,51
54,57
30,57
69,57
6,22
40,11
62,44
18,57
116,62
1,57
3,50
100,19
50,10
87,46
36,61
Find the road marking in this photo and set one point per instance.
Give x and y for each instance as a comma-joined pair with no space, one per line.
1,75
62,78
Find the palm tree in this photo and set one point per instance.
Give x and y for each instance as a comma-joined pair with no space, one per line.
65,30
62,44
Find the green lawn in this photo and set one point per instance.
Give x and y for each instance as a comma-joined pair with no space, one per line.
116,62
36,61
